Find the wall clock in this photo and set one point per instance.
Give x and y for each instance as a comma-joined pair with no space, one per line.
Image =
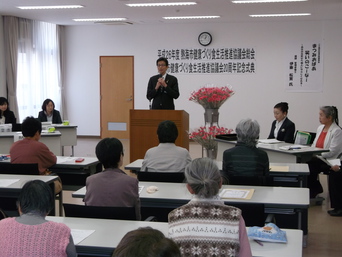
205,38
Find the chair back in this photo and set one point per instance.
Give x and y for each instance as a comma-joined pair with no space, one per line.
247,180
227,137
171,177
99,212
19,168
253,214
251,181
304,137
16,127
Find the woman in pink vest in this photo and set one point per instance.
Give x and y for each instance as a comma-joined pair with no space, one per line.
30,234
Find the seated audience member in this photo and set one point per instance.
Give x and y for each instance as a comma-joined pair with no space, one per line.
146,242
49,113
328,136
245,163
166,157
6,115
282,128
190,223
30,150
30,234
112,187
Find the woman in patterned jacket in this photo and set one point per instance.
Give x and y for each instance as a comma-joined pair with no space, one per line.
206,226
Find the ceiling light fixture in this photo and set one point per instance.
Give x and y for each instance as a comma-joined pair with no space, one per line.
161,4
191,17
101,19
50,7
279,15
264,1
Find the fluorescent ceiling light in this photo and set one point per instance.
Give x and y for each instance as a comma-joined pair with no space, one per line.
161,4
50,7
190,17
279,15
264,1
102,19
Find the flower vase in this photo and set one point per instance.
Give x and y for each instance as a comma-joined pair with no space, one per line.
211,153
211,117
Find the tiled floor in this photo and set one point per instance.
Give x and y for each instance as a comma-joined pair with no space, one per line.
325,232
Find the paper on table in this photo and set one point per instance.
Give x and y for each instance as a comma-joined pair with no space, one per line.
237,193
78,235
269,141
45,131
61,159
293,147
7,182
140,189
279,168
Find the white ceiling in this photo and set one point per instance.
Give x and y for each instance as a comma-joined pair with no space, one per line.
229,12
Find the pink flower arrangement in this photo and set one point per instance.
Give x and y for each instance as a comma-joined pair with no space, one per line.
211,97
205,136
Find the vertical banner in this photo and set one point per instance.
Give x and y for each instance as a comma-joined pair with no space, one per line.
305,68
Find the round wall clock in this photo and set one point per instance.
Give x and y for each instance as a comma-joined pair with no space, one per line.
205,38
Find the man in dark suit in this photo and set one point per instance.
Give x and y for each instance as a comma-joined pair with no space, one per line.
162,88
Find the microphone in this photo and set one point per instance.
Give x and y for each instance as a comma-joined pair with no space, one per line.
161,87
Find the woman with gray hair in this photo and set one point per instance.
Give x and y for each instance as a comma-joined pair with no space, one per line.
206,226
328,136
245,164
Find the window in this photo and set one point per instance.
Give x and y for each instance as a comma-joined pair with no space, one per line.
38,70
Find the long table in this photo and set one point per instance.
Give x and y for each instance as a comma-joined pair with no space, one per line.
276,199
74,174
51,140
274,151
13,190
108,234
88,165
69,164
281,172
71,172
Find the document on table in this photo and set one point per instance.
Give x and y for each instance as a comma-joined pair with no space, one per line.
279,168
78,235
237,193
269,141
293,147
63,159
7,182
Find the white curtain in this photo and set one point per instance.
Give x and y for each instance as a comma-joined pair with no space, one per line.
38,67
11,55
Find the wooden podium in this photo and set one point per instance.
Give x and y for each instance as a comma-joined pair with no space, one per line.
143,129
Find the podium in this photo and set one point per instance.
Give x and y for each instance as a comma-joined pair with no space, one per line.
143,129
